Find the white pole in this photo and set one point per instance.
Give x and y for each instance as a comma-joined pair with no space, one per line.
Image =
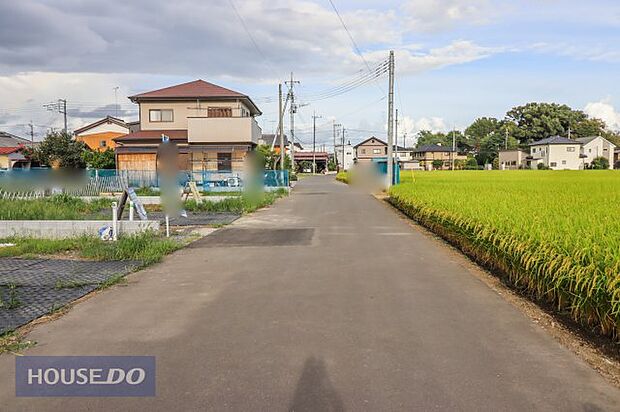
167,226
114,222
131,210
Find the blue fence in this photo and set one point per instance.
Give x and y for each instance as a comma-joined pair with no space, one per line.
112,180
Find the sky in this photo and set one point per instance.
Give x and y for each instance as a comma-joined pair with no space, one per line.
455,60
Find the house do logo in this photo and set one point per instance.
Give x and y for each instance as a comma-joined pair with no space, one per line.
85,376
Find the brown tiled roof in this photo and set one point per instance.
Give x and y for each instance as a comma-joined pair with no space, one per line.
198,89
152,134
107,119
195,89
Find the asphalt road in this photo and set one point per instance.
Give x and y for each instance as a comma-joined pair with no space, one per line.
327,301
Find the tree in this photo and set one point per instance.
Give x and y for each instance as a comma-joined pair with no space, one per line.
100,160
437,164
58,149
536,121
471,164
480,129
426,137
600,163
267,156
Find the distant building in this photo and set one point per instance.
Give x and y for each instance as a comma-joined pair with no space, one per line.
427,155
557,153
596,146
369,149
100,135
349,156
512,159
11,151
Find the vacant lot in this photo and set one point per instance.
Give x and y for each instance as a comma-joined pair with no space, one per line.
554,234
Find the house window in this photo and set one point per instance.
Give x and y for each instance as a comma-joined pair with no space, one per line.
363,151
224,162
161,115
219,112
533,150
376,151
553,164
102,143
570,149
563,162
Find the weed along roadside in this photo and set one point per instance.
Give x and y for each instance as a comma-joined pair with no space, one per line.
546,237
44,276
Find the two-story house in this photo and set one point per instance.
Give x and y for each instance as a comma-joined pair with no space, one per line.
430,156
100,135
369,149
557,153
596,146
214,128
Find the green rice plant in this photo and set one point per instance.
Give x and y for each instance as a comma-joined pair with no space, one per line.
553,234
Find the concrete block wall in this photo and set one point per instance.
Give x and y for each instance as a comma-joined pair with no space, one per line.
59,229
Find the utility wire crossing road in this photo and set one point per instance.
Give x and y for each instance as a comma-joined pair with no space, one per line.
326,301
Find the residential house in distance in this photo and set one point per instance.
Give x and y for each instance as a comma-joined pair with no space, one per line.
11,148
426,155
214,128
100,135
369,149
556,152
512,159
617,158
273,140
596,146
349,156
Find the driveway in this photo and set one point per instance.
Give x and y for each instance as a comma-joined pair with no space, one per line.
326,301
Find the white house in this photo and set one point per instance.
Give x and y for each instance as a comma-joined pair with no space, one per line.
349,155
512,159
596,146
557,153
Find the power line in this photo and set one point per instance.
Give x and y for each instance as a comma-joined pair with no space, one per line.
245,27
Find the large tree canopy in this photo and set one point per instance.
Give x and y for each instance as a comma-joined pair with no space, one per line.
536,121
60,150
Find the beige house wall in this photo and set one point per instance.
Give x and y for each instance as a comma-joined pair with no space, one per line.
182,110
599,147
366,151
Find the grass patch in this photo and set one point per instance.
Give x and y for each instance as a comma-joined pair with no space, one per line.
58,207
12,342
147,247
246,203
343,177
554,234
10,299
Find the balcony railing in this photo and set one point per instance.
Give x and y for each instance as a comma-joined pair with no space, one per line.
222,130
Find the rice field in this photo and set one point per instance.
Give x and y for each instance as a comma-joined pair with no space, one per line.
553,234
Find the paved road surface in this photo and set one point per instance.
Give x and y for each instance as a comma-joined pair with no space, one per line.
344,307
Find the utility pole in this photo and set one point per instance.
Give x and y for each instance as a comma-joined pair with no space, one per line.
506,140
116,101
281,126
336,126
396,133
390,160
314,117
293,110
31,133
343,164
453,144
61,107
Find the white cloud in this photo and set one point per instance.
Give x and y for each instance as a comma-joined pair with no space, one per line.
592,52
605,111
437,15
414,59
